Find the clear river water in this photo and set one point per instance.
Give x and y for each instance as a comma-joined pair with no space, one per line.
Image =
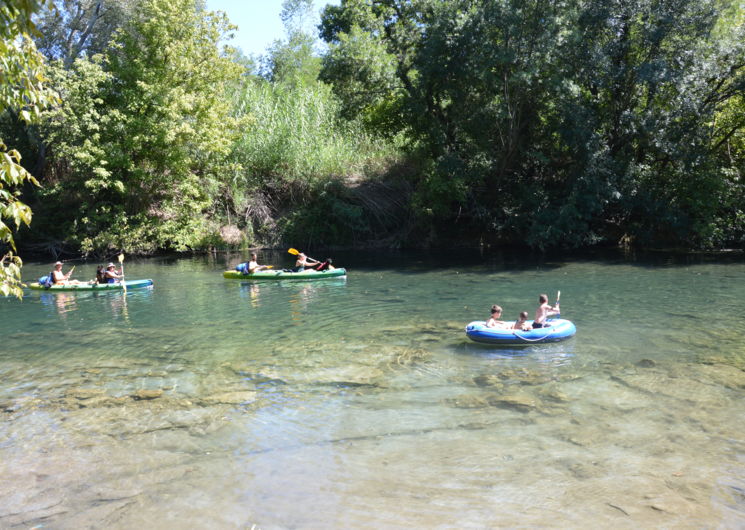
359,403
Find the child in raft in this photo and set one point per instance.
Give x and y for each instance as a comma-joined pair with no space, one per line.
496,314
544,311
521,323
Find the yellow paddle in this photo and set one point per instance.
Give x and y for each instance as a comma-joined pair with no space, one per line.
121,262
295,252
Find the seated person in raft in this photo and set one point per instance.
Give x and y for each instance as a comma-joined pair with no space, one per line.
544,311
521,324
58,278
494,320
111,275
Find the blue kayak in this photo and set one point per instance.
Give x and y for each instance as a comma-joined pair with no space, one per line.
558,330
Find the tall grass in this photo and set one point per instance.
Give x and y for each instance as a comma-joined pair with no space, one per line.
293,134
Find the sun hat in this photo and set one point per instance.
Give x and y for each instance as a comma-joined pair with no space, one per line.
110,265
58,263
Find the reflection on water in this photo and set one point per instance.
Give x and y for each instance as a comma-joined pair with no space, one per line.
253,290
61,303
360,403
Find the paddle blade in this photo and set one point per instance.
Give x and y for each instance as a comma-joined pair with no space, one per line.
558,295
121,257
293,251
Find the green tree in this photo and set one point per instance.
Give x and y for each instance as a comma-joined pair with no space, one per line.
143,138
23,91
552,122
70,29
293,61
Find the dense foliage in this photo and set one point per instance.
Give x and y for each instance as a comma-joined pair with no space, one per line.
425,122
563,122
22,94
135,151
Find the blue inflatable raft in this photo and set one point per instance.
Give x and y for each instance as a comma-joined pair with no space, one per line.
558,330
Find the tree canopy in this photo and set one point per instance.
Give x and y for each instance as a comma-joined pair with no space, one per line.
541,123
23,93
556,122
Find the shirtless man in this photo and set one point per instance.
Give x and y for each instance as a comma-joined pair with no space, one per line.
544,311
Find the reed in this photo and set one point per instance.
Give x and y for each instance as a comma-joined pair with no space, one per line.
294,134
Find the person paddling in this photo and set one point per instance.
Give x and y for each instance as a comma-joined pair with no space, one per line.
111,275
253,265
59,278
544,311
304,261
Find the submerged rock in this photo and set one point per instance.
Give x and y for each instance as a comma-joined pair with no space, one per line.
519,402
554,394
409,356
359,375
488,380
469,402
147,394
229,398
84,393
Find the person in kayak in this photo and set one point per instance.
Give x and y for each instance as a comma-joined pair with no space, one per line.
544,311
100,276
112,275
59,278
496,314
326,265
304,261
253,265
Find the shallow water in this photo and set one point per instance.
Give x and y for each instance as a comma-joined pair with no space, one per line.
359,403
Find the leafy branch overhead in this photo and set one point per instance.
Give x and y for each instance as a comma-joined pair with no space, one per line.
23,92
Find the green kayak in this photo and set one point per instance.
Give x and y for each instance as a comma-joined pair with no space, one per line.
308,274
131,284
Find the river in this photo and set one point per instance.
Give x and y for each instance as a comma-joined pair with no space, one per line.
360,403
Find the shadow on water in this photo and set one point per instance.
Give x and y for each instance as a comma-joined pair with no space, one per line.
558,353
